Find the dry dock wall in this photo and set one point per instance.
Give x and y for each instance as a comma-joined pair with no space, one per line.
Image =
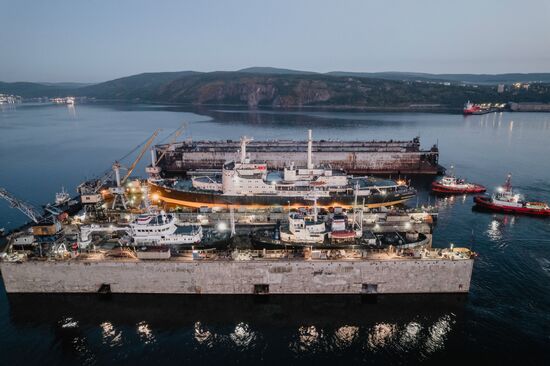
352,162
240,277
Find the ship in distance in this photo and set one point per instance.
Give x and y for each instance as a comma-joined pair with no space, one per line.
250,184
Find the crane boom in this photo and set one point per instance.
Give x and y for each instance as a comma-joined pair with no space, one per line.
143,150
30,211
177,134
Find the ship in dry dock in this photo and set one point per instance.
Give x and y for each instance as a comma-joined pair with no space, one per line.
248,183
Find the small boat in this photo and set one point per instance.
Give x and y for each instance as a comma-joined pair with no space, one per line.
62,197
163,229
450,184
507,201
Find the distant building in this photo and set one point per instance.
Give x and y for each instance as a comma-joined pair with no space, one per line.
500,88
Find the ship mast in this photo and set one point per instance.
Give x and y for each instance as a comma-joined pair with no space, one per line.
244,140
309,150
508,184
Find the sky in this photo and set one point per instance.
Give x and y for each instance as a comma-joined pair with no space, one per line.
96,40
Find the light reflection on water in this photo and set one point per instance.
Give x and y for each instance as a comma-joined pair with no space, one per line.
145,333
296,327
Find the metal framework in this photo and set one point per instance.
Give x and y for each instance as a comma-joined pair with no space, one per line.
29,210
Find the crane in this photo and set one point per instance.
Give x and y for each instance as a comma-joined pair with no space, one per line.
29,210
154,170
141,153
118,191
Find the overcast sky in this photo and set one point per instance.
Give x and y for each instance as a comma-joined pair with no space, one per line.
92,41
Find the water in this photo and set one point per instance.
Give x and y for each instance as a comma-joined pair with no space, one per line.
505,317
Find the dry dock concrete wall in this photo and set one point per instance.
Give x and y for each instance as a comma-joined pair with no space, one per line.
239,277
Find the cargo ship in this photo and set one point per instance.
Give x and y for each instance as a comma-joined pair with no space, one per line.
507,201
248,183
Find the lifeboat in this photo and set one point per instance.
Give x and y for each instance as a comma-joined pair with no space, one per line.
343,234
506,201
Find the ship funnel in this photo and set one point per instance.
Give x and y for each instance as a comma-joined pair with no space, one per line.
309,150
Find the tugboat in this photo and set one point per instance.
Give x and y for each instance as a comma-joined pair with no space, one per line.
475,109
452,185
506,201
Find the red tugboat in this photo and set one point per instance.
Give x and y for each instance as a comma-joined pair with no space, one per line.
471,108
505,200
452,185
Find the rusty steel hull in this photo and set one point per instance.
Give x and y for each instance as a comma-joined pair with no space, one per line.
355,157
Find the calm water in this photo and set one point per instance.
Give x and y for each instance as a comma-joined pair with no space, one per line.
506,315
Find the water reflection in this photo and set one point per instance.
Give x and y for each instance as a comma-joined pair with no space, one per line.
110,336
287,327
202,335
72,110
381,335
242,336
145,333
410,335
496,227
438,334
346,335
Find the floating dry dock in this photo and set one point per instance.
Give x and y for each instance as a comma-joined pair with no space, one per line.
246,272
355,157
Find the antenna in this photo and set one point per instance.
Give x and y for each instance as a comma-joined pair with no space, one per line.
309,150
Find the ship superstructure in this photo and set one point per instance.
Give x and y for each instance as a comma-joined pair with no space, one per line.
161,229
250,183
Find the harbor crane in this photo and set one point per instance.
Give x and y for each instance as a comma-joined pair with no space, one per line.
118,191
154,170
29,210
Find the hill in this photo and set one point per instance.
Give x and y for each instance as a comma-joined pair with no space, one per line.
287,90
254,87
142,86
33,90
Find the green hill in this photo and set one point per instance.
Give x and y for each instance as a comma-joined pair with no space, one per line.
255,87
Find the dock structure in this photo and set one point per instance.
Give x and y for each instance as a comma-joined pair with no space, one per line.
247,272
354,157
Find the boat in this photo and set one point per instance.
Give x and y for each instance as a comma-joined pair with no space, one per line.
62,197
452,185
303,229
476,109
507,201
340,239
249,183
163,229
344,231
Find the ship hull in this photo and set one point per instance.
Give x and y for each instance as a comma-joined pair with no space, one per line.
486,203
211,199
440,188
